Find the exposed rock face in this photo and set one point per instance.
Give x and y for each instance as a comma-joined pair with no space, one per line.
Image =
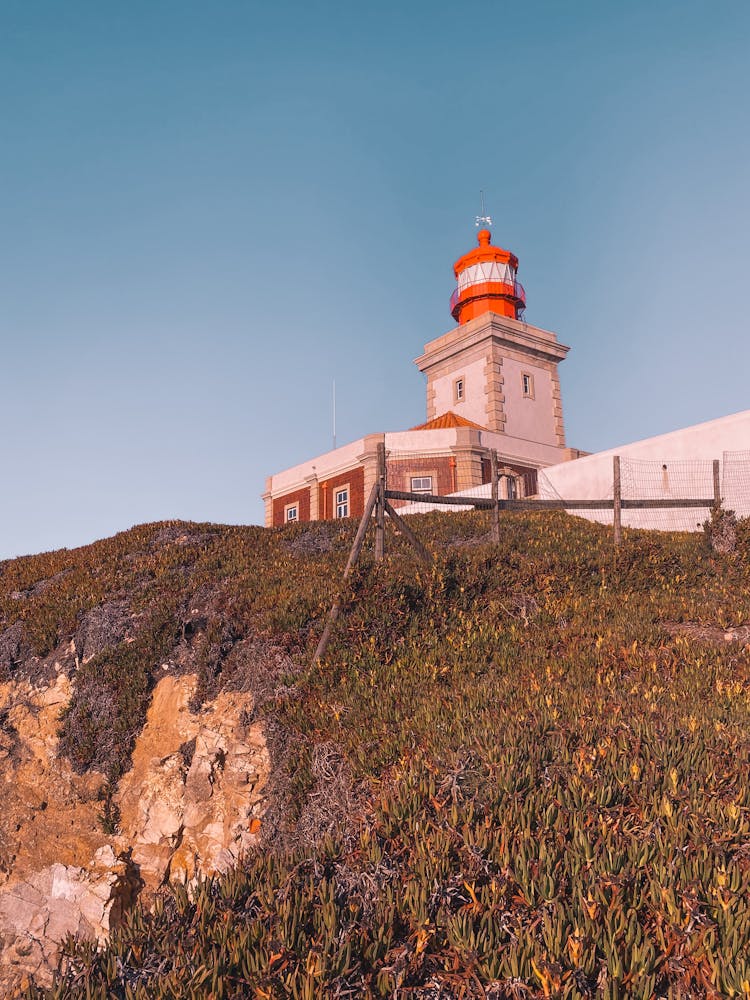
37,914
49,814
191,803
193,799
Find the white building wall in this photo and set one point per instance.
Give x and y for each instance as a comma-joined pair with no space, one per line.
530,419
474,404
585,478
323,466
665,467
438,441
521,451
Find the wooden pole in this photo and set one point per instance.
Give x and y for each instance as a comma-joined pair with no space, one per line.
350,564
495,498
717,485
424,554
617,498
380,506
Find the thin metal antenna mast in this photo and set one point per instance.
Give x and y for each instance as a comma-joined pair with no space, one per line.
334,414
483,219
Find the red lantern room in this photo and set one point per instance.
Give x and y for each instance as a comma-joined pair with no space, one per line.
487,283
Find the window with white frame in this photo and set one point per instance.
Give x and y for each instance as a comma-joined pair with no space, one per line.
292,512
459,390
527,382
342,502
421,484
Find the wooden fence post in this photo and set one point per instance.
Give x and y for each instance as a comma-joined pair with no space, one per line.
350,564
495,498
617,498
717,485
380,506
422,551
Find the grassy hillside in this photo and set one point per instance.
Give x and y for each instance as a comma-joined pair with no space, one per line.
513,775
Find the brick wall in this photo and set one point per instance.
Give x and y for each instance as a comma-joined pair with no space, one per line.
300,497
355,479
528,475
401,470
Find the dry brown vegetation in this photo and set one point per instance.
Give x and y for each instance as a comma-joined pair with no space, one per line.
507,778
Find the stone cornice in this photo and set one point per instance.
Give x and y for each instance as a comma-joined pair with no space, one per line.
496,329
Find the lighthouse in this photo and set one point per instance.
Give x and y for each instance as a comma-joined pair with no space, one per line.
492,385
495,369
487,282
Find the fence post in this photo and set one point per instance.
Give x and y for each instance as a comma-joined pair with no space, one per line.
717,485
495,498
351,562
422,551
380,507
617,497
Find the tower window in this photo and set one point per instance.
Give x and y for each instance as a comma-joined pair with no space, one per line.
342,502
459,390
527,381
291,513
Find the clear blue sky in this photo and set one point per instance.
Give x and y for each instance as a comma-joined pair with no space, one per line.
210,210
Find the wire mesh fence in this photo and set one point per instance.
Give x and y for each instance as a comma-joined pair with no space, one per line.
661,495
735,482
437,473
452,476
650,481
667,480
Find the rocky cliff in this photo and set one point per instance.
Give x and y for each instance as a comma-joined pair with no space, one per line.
131,751
191,802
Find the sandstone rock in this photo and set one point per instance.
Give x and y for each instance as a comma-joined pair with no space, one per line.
191,803
180,817
56,694
49,813
37,914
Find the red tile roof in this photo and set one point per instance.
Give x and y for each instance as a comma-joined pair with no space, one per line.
449,419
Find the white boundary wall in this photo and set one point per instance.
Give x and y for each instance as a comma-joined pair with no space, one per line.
590,478
670,466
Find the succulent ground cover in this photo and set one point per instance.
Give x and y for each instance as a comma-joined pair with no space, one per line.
512,775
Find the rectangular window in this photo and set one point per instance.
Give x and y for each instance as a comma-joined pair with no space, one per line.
459,390
421,484
292,513
342,502
528,385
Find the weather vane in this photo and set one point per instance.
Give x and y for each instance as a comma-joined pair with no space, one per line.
482,220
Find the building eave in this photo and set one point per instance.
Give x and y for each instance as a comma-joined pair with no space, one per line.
502,330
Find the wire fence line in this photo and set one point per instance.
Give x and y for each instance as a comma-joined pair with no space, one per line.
676,480
673,482
662,495
669,495
735,482
428,479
